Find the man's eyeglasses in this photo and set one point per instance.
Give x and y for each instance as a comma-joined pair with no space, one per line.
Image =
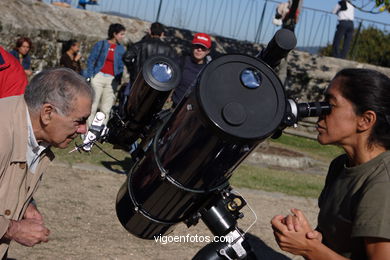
198,46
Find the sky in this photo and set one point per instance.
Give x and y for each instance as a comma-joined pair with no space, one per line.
238,19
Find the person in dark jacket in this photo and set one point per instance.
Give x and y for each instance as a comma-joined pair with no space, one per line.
71,55
21,52
192,65
151,44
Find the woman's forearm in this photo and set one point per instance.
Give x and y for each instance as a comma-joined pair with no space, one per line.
318,251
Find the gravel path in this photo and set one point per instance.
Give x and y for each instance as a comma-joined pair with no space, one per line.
78,204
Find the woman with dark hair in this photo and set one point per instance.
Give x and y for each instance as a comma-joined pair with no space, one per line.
22,48
105,67
354,217
71,56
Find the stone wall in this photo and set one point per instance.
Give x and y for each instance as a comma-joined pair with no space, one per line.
309,75
48,26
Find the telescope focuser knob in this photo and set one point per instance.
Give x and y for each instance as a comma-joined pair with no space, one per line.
234,204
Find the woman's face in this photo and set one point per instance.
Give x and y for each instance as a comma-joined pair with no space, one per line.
340,125
75,47
119,36
24,49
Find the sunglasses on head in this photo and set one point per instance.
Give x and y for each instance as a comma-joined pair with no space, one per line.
198,46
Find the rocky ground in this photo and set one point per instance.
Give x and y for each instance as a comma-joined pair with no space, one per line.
78,204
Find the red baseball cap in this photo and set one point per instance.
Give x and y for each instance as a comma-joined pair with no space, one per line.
202,39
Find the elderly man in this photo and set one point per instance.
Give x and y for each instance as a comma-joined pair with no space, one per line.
52,112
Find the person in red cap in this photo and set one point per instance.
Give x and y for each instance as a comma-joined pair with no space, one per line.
192,64
201,45
13,80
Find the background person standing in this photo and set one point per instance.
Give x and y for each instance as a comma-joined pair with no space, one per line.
21,52
71,56
151,44
290,19
345,15
105,68
192,64
136,55
13,80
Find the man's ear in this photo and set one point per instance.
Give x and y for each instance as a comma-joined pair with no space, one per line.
367,120
46,113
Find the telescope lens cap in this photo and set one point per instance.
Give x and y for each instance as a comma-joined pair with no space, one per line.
241,97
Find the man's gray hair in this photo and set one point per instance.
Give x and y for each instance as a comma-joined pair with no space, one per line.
59,87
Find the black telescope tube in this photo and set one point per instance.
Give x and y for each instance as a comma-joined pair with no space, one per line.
237,102
313,109
159,75
281,44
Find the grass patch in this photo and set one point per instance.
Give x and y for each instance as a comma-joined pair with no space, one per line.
297,184
96,156
309,146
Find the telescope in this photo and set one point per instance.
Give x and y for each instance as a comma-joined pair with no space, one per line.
183,174
157,77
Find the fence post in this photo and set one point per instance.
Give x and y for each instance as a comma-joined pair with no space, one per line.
158,11
258,33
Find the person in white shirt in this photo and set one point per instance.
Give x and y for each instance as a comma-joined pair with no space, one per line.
345,15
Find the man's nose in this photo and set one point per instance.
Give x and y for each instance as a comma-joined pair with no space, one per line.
82,129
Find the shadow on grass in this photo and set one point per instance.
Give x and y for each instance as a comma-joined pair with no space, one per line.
124,165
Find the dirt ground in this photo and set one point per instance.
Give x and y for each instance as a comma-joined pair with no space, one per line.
78,204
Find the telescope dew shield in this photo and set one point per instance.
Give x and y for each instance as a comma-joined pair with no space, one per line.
278,48
151,88
236,103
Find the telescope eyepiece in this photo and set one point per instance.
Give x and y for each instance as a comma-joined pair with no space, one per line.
311,109
297,111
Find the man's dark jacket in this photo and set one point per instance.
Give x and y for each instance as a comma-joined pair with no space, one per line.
136,54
